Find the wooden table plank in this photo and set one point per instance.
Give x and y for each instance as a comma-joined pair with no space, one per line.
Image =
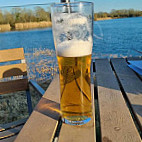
132,86
116,122
134,58
121,67
42,123
83,133
102,66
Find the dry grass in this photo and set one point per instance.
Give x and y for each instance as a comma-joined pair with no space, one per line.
5,27
24,26
14,107
107,18
31,25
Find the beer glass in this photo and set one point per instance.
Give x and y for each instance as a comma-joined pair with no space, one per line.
72,25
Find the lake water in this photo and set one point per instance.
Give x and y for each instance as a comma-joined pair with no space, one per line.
112,38
118,37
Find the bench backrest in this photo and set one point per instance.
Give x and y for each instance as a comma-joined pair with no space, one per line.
13,71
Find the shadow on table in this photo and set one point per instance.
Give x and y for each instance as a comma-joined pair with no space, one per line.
49,108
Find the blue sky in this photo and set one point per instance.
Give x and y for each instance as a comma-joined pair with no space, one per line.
100,5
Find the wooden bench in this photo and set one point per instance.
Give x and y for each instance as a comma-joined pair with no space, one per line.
117,92
13,78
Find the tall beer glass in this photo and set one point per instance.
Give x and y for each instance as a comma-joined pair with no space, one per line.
72,25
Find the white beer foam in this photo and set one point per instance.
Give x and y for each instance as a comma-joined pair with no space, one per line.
75,18
74,48
81,20
70,18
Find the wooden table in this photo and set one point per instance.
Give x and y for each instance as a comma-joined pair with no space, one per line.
117,92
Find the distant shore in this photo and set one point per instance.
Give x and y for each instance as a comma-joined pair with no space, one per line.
25,26
110,18
33,25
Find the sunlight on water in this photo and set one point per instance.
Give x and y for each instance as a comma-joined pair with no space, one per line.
42,64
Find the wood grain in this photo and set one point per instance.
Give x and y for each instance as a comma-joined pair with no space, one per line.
11,54
116,122
13,70
42,123
82,133
13,86
132,86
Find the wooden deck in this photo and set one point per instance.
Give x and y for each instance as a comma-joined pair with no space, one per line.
117,93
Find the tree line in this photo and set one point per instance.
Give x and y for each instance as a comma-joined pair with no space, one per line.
37,14
123,13
19,15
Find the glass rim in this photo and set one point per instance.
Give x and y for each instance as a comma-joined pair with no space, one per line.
72,4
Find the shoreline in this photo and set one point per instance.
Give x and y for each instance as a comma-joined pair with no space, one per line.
107,18
110,18
25,26
41,24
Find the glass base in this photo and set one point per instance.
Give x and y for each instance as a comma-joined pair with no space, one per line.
76,120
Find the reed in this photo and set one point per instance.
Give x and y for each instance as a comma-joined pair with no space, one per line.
105,18
31,25
5,27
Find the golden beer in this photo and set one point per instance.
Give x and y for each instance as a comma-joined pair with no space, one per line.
75,87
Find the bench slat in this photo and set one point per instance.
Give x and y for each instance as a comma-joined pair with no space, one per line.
13,70
10,139
13,86
44,118
83,133
116,122
132,86
10,132
11,55
13,124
